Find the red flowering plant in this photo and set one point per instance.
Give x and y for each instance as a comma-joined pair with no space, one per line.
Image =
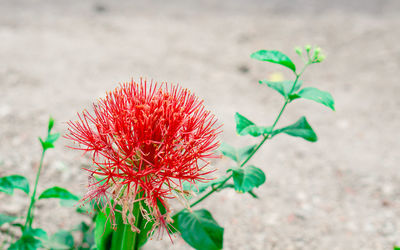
145,141
151,143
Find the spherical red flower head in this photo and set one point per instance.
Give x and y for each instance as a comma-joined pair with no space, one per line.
145,141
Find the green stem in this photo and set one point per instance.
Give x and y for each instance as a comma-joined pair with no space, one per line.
138,222
124,238
29,216
265,138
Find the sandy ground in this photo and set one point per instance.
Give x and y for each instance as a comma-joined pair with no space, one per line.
343,192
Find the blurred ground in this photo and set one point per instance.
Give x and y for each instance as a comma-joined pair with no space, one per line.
57,57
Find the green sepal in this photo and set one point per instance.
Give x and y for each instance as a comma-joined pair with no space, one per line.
274,56
58,192
199,229
247,178
9,183
314,94
285,88
246,127
301,128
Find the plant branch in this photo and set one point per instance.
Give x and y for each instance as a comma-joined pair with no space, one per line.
29,216
265,138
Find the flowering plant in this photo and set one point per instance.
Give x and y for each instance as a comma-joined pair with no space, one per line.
151,143
145,141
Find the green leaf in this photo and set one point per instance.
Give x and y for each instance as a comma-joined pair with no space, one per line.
284,87
229,151
37,232
274,56
51,138
49,142
45,144
58,192
82,227
299,129
6,219
6,186
242,123
246,151
396,248
61,240
245,179
199,229
319,96
246,127
8,183
200,186
31,239
26,242
236,155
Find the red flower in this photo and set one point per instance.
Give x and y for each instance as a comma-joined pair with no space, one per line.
145,141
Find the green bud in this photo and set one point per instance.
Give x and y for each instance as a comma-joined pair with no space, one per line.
51,124
321,58
298,51
307,48
317,50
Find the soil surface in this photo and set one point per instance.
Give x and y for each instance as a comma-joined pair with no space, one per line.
343,192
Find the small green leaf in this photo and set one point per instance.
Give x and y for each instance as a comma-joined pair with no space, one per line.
58,192
237,155
202,186
8,183
284,87
396,248
61,240
319,96
274,56
199,229
45,144
242,123
26,242
31,239
51,123
68,203
37,232
245,179
6,219
245,152
82,227
246,127
6,186
299,129
228,151
51,138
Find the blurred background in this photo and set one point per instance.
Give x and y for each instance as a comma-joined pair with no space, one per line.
343,192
